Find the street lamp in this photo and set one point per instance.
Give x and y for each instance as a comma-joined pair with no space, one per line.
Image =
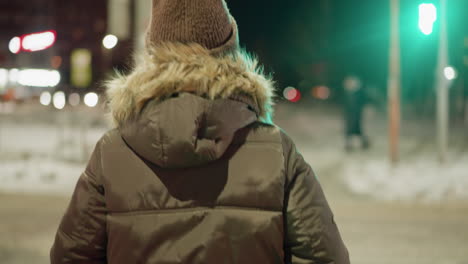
58,100
91,99
450,73
110,41
14,45
45,98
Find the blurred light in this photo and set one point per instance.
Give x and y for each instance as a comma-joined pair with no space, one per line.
321,92
39,78
91,99
450,73
427,17
45,98
13,75
59,100
38,41
56,62
3,77
292,94
352,83
286,91
15,45
74,99
81,68
110,41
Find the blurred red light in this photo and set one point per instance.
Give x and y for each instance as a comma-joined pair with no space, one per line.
297,97
56,62
292,94
38,41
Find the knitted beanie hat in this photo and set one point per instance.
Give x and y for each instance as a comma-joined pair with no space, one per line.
206,22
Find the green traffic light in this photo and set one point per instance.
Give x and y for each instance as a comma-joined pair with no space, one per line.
427,18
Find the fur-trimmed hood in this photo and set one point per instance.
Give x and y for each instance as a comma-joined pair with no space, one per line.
171,68
182,106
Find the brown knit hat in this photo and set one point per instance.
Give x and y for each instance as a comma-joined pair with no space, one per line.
206,22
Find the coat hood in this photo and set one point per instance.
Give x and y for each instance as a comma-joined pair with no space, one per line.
181,105
187,130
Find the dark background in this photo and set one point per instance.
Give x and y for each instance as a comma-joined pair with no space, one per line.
303,43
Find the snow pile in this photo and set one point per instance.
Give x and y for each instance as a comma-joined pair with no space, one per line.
422,179
44,158
38,175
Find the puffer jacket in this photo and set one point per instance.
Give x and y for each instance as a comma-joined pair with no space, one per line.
194,172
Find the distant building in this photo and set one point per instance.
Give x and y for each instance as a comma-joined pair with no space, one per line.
79,25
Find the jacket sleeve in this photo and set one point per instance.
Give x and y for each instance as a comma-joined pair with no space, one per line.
311,234
81,236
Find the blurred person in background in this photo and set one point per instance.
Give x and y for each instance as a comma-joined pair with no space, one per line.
195,171
355,100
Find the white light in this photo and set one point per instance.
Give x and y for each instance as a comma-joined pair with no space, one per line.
15,45
110,41
45,98
59,100
450,73
38,77
289,92
427,17
74,99
3,78
38,41
91,99
13,75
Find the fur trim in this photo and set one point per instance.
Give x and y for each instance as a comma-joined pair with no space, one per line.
170,68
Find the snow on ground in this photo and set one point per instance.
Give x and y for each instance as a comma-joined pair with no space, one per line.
419,176
423,179
45,154
40,176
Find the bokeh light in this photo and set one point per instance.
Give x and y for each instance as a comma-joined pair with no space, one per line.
59,100
292,94
321,92
91,99
45,98
15,45
3,77
74,99
110,41
38,41
450,73
13,75
39,77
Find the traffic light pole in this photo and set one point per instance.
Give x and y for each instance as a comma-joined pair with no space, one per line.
394,82
442,86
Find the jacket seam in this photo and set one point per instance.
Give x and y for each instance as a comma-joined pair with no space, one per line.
192,209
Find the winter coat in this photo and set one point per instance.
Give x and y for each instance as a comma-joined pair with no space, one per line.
354,106
195,173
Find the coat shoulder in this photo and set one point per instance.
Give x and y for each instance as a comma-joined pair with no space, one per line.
263,132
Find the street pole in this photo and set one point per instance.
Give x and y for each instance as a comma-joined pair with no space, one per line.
394,82
442,86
